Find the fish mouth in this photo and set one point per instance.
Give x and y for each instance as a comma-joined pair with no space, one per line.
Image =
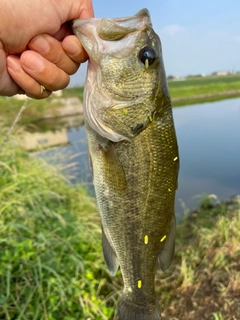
131,22
95,33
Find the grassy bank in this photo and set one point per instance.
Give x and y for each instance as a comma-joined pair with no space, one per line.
204,280
51,264
204,89
34,110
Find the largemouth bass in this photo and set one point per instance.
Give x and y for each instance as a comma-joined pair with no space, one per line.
133,153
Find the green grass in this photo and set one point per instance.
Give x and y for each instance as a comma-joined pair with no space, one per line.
203,85
34,110
191,88
51,264
73,92
204,280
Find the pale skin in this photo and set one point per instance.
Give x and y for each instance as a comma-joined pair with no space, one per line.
37,48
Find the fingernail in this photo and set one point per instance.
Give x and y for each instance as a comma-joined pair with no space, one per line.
13,63
74,49
40,45
33,62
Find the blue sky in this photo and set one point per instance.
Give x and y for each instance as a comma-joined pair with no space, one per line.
200,36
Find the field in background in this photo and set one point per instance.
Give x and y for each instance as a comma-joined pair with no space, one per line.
204,89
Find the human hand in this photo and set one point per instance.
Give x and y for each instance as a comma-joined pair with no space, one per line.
48,62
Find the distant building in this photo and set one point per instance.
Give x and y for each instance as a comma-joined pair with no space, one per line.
176,78
223,73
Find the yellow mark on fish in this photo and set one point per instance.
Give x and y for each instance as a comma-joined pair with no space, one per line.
175,159
169,190
125,111
163,238
146,63
139,284
146,239
150,118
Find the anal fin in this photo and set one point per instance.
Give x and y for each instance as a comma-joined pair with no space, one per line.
167,251
109,254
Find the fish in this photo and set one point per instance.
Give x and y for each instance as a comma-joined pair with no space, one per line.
133,153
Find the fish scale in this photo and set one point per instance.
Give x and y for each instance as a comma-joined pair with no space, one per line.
134,154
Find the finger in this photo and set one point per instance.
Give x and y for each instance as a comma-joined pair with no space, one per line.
52,50
7,85
73,48
28,84
43,71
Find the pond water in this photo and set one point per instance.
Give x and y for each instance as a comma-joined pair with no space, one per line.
209,145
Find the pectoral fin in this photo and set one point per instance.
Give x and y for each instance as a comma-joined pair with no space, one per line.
167,251
109,254
114,173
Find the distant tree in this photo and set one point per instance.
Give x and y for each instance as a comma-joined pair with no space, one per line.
194,76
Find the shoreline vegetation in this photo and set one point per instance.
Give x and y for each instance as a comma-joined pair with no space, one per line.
187,91
51,262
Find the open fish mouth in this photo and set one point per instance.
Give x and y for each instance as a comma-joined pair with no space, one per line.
100,32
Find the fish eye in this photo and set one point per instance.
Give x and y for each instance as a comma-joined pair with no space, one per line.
147,55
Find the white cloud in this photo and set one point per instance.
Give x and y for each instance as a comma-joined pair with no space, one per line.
237,38
172,30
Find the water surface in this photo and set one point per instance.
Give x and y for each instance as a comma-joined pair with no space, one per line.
209,143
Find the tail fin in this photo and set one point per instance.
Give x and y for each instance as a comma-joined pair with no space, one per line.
130,311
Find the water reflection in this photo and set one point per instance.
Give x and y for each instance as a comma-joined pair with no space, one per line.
209,146
71,158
